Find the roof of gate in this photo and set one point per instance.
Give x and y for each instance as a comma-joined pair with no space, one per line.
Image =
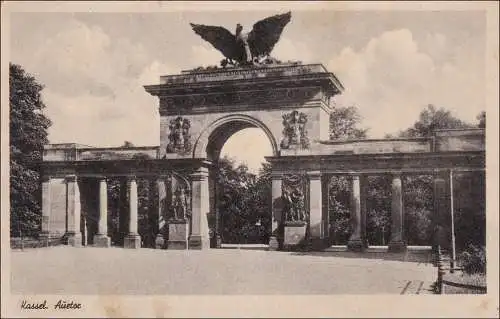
246,75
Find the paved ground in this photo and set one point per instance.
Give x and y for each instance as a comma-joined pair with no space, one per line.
67,270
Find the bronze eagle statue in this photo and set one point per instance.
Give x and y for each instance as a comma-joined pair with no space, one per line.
245,48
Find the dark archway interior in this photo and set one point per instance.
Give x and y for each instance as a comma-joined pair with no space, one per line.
216,142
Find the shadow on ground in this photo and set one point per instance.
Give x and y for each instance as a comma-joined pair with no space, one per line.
416,257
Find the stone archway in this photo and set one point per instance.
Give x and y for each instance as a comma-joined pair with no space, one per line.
214,135
209,145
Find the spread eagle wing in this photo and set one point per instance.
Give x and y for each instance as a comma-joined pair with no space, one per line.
266,33
219,37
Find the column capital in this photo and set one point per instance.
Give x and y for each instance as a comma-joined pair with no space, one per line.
314,174
45,178
200,174
276,175
70,178
102,178
354,176
396,174
131,178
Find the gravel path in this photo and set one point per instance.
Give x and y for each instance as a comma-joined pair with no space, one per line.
67,270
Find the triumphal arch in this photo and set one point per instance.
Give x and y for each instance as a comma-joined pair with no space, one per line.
199,110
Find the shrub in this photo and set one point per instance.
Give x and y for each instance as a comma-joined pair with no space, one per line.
473,260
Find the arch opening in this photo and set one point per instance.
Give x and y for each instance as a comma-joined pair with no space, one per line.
241,202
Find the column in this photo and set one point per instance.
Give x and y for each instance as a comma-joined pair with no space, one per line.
162,236
132,240
73,211
355,242
276,211
316,230
101,239
452,213
441,202
199,238
46,208
363,180
397,244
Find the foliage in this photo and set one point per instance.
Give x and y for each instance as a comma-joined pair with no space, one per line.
244,202
473,259
432,119
28,134
344,123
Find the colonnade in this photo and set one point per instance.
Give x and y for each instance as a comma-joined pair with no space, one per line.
198,227
200,207
318,219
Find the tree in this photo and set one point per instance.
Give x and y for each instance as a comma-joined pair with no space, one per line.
344,123
481,117
28,134
432,119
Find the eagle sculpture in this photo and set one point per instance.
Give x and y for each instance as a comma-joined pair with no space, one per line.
249,48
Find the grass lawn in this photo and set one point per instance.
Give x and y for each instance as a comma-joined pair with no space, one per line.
463,278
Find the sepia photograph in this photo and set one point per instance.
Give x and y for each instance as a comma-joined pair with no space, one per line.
280,159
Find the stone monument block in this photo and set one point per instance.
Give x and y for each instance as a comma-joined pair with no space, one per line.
295,234
75,240
132,241
178,232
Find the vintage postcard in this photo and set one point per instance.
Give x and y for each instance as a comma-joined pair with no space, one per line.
267,159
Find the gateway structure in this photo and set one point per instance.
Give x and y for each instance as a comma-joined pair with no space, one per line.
199,111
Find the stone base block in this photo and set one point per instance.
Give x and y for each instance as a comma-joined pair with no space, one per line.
198,242
102,241
177,245
356,245
274,243
160,242
75,240
397,246
295,235
132,241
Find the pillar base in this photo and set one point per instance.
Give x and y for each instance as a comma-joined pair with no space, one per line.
397,246
102,241
44,238
75,239
160,242
177,245
198,242
132,241
295,235
274,243
356,245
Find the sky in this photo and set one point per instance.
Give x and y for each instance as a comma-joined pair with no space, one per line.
392,63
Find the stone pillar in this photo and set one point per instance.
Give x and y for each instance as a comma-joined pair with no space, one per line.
441,207
355,242
316,230
276,211
101,239
363,180
162,235
132,240
73,211
46,208
199,238
397,244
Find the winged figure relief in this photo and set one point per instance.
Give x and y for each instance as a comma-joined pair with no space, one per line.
249,48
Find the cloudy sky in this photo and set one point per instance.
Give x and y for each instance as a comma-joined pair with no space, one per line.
392,64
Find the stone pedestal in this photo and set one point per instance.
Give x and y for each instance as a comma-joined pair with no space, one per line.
75,239
102,241
294,235
273,243
132,241
178,231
